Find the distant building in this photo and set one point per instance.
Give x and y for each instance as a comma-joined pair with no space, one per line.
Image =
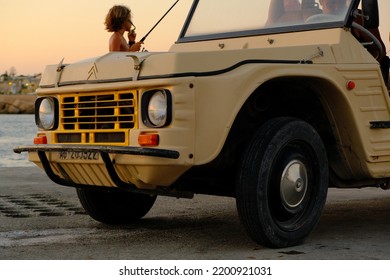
19,84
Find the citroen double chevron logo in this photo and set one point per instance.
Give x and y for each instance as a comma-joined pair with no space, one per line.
92,73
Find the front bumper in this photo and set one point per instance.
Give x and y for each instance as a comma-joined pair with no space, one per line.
114,167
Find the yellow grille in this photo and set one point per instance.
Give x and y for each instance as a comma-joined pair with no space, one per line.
97,118
98,111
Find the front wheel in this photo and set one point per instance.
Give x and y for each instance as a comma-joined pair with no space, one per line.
282,183
114,207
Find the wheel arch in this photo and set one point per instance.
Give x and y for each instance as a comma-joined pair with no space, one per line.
311,99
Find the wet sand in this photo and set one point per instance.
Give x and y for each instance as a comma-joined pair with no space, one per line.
42,220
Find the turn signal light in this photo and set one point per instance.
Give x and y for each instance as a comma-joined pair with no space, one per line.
148,139
40,140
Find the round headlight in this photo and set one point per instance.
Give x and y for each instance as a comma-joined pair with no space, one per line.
158,108
46,113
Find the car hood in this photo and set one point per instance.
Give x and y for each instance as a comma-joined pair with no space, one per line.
111,67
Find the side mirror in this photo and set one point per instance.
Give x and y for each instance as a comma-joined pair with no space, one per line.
371,12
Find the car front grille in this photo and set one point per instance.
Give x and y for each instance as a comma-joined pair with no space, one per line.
98,111
97,118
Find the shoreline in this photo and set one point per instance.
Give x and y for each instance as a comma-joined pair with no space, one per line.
17,104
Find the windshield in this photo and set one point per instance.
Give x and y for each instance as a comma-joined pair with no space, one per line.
215,18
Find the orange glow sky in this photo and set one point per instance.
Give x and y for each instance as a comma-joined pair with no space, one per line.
37,33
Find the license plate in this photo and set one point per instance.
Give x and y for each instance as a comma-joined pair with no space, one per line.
78,155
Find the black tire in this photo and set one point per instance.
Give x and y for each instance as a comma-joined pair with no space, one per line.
282,183
115,207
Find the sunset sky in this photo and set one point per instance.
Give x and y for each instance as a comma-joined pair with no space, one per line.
38,33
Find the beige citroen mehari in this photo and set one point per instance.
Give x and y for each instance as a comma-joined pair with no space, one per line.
267,101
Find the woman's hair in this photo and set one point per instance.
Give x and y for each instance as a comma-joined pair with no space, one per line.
115,18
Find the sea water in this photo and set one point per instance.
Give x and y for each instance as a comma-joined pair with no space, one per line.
15,130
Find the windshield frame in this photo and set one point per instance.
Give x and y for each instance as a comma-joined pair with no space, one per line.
346,22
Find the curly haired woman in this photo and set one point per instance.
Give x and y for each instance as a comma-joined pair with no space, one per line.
118,20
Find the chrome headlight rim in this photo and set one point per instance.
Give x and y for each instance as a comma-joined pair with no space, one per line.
156,108
46,109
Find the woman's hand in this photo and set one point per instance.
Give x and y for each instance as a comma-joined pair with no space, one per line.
135,47
131,35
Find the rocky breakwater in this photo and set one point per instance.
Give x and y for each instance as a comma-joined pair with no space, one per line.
17,104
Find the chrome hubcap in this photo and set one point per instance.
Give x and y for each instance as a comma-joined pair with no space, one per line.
293,185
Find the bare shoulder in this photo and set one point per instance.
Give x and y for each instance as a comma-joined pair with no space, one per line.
116,42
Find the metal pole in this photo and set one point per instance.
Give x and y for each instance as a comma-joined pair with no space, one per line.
147,34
